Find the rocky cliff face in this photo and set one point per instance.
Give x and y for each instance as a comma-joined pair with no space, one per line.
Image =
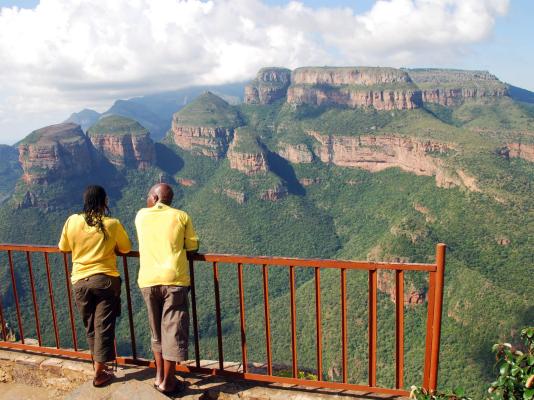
205,126
522,150
123,141
54,152
453,87
295,153
381,88
270,85
246,155
206,141
376,153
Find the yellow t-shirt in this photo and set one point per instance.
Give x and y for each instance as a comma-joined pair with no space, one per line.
91,253
165,234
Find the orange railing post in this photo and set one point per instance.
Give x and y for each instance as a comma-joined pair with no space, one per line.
438,306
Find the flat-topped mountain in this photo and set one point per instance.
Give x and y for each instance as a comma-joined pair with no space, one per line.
56,151
451,87
123,141
205,126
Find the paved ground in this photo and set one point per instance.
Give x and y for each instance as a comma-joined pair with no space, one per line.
26,376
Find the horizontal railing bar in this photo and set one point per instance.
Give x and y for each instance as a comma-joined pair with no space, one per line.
211,371
261,260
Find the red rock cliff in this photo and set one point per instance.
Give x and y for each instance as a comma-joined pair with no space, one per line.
381,88
246,155
55,152
123,141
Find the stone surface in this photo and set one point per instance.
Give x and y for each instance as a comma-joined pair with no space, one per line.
123,142
270,85
380,88
54,152
295,153
522,150
134,383
246,155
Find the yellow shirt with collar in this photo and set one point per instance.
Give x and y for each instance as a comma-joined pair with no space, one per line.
165,234
91,252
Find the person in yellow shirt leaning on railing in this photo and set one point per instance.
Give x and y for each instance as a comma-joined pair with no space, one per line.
92,237
165,235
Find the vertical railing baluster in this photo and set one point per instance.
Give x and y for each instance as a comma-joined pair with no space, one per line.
2,321
194,310
318,324
69,296
218,314
129,304
34,299
438,306
399,328
15,295
52,303
372,326
344,324
293,322
429,326
242,317
267,314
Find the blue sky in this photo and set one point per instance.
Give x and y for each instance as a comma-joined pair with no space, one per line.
60,56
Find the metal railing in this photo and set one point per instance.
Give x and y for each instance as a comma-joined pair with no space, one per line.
433,323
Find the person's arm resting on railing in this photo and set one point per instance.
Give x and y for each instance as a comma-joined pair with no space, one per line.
190,238
63,244
123,241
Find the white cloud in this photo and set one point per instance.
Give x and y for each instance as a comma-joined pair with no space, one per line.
68,54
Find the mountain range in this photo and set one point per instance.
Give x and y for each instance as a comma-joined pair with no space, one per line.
327,162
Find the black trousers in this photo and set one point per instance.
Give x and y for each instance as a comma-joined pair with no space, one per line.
98,300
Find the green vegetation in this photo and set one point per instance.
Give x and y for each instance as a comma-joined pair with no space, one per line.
117,125
341,213
208,110
516,369
66,132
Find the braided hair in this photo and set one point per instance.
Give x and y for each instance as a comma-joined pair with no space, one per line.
95,207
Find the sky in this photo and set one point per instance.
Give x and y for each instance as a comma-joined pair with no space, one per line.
60,56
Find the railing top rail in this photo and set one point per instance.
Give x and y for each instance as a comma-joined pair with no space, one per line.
259,260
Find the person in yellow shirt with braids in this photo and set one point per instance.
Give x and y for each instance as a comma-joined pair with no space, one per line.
165,236
92,237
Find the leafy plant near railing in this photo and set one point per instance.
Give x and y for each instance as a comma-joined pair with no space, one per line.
516,374
419,393
516,370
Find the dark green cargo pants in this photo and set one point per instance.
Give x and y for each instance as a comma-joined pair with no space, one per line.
98,300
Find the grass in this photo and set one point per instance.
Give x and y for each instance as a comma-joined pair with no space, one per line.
116,125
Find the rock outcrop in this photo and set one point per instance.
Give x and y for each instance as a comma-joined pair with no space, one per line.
295,153
275,193
452,87
377,153
380,88
522,150
270,85
205,126
55,152
123,141
412,295
245,153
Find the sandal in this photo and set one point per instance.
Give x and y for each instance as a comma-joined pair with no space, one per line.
109,377
179,389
